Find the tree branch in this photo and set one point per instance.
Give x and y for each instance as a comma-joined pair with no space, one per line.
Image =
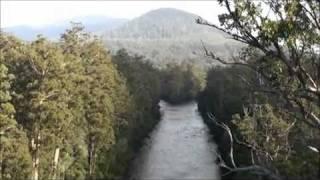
254,169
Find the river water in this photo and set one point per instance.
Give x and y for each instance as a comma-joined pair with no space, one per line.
179,148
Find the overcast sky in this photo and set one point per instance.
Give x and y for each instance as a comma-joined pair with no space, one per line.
37,13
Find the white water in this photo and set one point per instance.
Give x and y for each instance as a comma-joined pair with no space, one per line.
179,148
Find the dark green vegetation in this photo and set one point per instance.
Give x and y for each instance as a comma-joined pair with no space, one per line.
68,111
264,107
71,110
180,83
143,86
264,131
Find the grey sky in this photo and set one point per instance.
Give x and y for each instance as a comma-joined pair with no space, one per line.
39,13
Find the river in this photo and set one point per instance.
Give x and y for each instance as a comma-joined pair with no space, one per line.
179,148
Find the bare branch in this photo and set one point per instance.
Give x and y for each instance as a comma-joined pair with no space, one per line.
227,129
222,61
33,66
233,35
51,94
254,169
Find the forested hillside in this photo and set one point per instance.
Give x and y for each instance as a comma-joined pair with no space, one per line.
71,110
65,107
163,36
83,106
168,35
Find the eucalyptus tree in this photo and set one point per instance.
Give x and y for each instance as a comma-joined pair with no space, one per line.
41,99
15,159
282,39
101,90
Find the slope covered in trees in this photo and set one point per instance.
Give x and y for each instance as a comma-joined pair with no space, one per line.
264,132
71,110
68,111
181,83
74,111
169,35
263,107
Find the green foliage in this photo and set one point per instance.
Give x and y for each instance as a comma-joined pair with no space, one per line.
225,93
78,112
180,83
143,83
269,134
266,131
283,51
72,111
15,160
285,48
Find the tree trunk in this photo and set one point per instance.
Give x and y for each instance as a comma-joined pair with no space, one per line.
91,157
55,163
319,165
1,157
35,146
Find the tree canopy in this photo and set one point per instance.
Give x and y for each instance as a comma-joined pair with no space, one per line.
280,94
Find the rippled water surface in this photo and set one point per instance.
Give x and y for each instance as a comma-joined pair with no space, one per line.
179,148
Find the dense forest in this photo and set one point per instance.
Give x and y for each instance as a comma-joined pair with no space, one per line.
263,106
70,109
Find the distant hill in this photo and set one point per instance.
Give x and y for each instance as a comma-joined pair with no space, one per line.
95,24
165,35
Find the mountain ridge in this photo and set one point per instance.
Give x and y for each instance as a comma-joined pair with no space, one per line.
162,35
169,35
94,24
